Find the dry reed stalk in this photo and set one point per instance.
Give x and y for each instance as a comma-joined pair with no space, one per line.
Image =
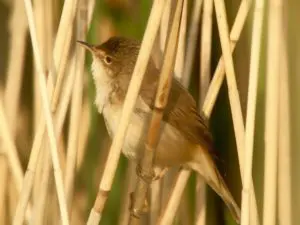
180,55
62,47
91,6
206,44
191,43
205,70
10,150
284,153
155,201
251,109
48,115
171,208
156,186
3,188
12,197
84,132
76,104
18,30
161,100
131,96
130,181
40,206
272,111
164,25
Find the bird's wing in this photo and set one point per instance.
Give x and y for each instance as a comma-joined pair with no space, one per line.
180,112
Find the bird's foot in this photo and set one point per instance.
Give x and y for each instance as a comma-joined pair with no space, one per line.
137,212
159,173
156,174
145,175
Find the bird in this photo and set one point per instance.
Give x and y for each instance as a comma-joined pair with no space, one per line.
185,139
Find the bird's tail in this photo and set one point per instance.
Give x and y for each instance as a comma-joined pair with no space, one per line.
206,167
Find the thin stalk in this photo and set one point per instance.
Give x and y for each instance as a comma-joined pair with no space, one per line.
205,71
284,153
130,182
272,111
3,188
62,47
251,109
40,204
76,104
164,25
11,150
180,56
18,30
173,203
192,42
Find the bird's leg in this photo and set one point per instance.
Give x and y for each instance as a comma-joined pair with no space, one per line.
156,174
146,176
159,172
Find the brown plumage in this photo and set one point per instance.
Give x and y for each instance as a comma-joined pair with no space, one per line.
185,137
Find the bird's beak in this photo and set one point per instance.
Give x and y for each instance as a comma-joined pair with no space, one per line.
86,46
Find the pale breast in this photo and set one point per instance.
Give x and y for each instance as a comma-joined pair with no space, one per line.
135,131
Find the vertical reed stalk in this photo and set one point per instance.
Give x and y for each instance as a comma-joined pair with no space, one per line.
170,210
164,25
130,182
191,42
272,100
18,30
76,104
284,153
205,70
3,188
11,150
156,186
251,109
180,55
17,45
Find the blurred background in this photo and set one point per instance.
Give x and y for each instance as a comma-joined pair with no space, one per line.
19,93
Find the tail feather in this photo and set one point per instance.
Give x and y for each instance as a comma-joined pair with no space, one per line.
206,167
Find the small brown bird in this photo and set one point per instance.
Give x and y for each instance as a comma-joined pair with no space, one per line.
185,137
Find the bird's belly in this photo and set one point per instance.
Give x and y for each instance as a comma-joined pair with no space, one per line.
172,148
135,131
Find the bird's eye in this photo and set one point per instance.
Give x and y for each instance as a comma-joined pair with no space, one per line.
108,60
